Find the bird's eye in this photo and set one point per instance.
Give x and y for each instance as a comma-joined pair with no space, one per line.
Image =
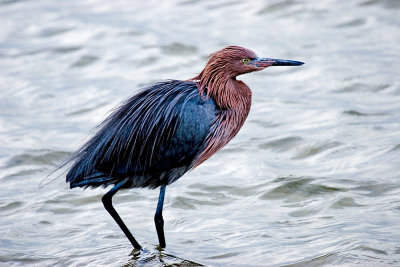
246,61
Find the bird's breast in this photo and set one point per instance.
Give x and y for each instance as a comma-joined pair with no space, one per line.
225,126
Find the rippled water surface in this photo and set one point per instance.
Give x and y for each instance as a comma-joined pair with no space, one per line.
312,179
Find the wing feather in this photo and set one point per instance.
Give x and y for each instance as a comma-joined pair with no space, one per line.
153,137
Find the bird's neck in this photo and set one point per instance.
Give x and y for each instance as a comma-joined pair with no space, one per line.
233,97
227,92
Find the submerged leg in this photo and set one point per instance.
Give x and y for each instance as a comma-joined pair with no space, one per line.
107,201
158,219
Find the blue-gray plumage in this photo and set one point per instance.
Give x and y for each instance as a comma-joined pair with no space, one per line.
168,128
152,138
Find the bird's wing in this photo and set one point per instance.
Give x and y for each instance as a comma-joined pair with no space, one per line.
157,132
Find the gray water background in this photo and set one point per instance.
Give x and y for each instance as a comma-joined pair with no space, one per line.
312,179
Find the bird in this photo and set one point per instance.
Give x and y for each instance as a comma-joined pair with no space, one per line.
166,129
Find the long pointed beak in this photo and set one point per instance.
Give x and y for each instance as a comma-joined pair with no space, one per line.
266,62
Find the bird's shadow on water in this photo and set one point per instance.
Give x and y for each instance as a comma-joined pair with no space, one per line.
157,257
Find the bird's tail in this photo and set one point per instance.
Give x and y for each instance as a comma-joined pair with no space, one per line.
94,180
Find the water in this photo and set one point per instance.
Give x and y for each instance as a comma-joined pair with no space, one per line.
312,179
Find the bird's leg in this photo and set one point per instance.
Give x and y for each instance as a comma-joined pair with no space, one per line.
158,218
107,201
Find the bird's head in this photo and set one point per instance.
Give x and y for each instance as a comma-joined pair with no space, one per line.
236,60
227,63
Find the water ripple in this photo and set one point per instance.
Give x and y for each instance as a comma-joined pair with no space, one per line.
36,157
312,178
297,189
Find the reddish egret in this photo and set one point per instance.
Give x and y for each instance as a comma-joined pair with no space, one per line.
167,129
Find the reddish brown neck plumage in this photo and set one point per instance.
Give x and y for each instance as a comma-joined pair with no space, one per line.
233,97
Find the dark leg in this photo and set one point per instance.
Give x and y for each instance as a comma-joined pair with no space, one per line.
107,201
158,219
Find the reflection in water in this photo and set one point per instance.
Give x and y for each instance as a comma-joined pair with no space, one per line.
157,257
